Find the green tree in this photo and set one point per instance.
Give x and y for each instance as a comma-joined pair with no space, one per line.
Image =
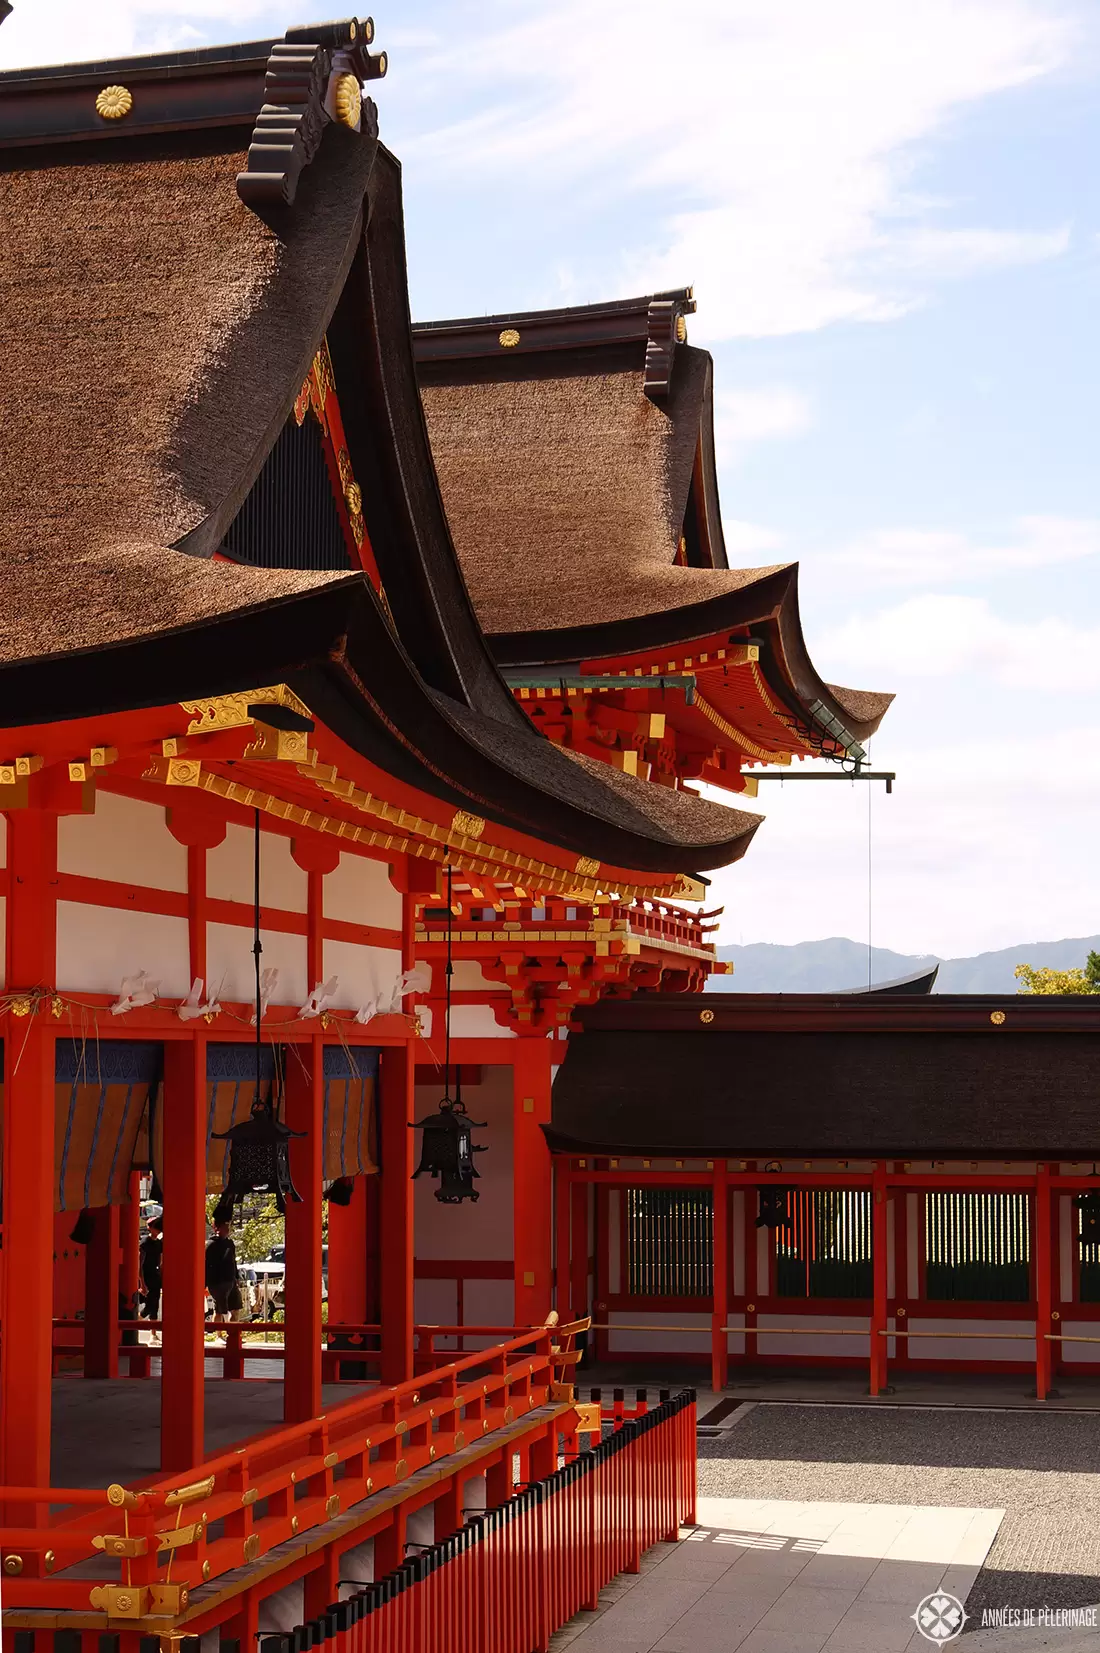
1045,980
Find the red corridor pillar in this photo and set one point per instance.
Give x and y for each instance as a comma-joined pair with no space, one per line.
532,1174
26,1353
347,1259
396,1143
305,1099
182,1396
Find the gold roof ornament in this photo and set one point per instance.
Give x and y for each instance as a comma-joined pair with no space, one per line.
509,338
348,101
114,103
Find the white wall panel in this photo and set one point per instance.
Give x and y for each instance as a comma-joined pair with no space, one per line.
614,1240
125,840
482,1230
1077,1351
781,1344
476,1021
737,1211
230,874
976,1347
435,1302
489,1303
231,970
98,946
363,972
468,977
659,1340
359,891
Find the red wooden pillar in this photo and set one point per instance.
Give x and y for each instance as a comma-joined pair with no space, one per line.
347,1259
719,1339
879,1231
1044,1281
101,1295
130,1241
305,1098
26,1351
581,1243
182,1398
563,1277
531,1179
396,1144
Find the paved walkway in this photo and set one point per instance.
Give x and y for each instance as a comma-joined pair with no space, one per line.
790,1576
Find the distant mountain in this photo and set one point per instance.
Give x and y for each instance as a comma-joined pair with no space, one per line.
836,964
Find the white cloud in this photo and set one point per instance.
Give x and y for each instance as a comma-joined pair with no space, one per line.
942,636
923,556
763,148
52,31
748,540
755,415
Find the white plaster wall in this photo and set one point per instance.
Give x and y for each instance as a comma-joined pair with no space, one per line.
126,840
231,970
98,946
356,1567
912,1246
476,1021
737,1207
659,1340
736,1341
359,891
363,972
282,1611
483,1230
230,873
489,1303
779,1344
614,1241
468,977
1066,1248
1076,1351
1021,1347
435,1302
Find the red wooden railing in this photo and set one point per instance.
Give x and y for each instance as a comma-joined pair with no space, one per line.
510,1578
256,1496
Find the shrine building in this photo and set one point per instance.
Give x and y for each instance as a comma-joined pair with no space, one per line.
359,678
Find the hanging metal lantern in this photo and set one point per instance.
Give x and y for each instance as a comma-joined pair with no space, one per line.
259,1160
774,1212
448,1153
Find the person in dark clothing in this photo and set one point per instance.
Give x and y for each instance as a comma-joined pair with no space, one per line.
221,1273
152,1251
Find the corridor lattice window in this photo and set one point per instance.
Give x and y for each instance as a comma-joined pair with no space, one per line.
1089,1279
977,1248
669,1242
825,1248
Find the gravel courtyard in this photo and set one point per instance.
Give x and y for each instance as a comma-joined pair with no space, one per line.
1043,1469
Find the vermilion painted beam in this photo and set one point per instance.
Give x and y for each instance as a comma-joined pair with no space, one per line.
531,1179
305,1094
27,1257
184,1185
397,1144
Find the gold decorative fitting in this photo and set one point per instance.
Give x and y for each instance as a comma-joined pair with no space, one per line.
78,771
230,711
120,1498
902,1313
332,1506
119,1600
587,866
997,1017
20,1007
681,329
249,1496
353,494
348,100
187,1494
1055,1315
460,1440
49,1561
331,1459
431,1452
509,338
13,1565
401,1469
466,825
252,1546
706,1016
294,1523
114,103
383,63
280,746
206,1570
370,1483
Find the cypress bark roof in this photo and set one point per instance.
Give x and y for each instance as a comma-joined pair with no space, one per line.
157,334
568,484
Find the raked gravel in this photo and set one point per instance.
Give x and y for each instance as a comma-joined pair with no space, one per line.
1043,1469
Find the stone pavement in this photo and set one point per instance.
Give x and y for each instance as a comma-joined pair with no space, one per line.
786,1576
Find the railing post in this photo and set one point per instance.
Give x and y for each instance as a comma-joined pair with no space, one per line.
719,1340
1044,1282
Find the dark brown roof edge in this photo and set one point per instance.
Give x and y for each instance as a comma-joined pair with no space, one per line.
214,86
559,1143
847,1013
655,321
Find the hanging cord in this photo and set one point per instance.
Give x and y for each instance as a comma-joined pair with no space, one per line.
257,949
869,791
447,1004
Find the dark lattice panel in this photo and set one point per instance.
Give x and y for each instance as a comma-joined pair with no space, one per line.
825,1248
669,1242
290,519
977,1248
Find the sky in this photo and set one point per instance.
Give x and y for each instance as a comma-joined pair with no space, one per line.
890,214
